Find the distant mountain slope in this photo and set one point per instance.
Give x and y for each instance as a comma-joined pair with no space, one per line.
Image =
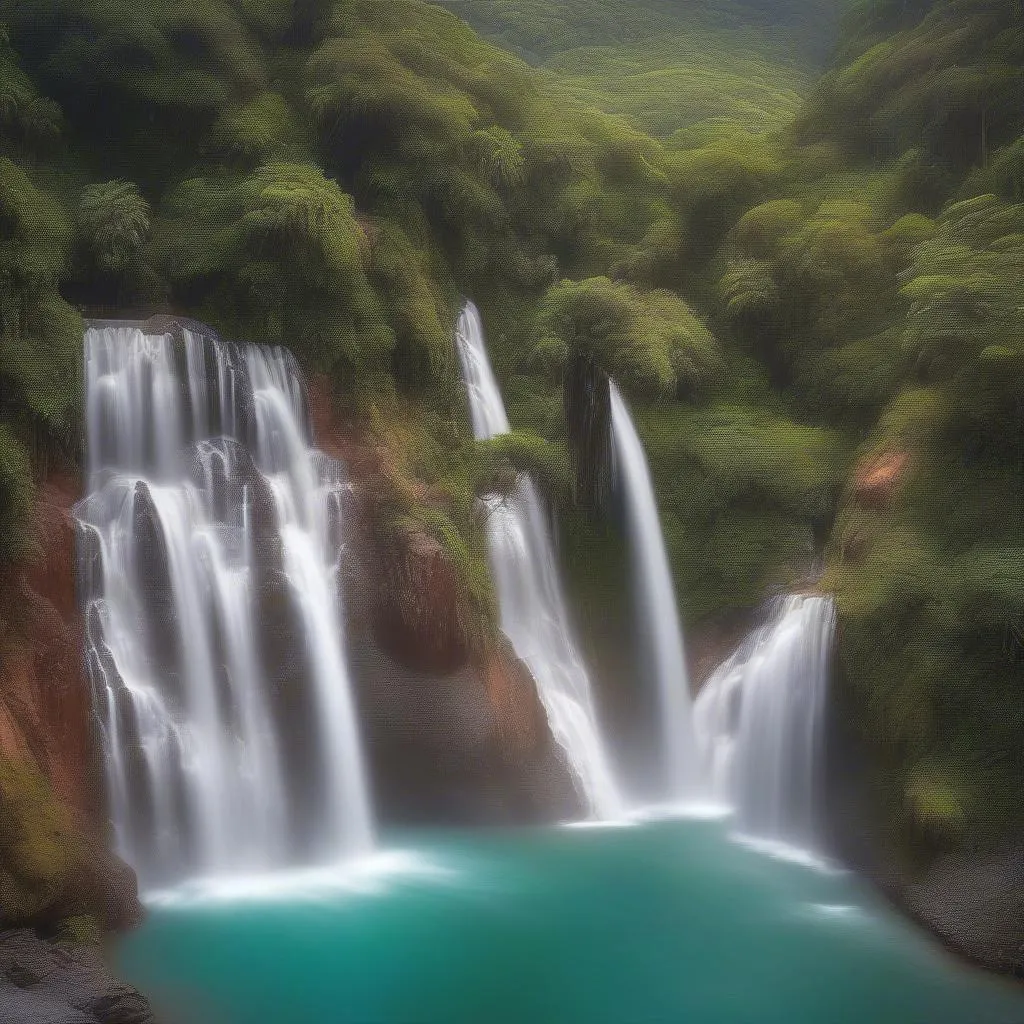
675,81
667,64
540,29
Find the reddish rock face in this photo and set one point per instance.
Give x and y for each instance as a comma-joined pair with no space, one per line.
45,704
519,716
419,606
452,733
419,611
42,684
875,480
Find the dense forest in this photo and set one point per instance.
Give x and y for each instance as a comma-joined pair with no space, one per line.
806,272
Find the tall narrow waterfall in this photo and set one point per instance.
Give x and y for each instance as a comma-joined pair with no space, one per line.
759,722
658,616
209,543
533,613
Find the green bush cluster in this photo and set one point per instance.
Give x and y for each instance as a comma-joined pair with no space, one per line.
40,333
651,341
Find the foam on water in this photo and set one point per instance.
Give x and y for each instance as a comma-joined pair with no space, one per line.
362,876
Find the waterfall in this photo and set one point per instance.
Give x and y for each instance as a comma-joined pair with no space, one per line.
658,616
532,608
209,542
759,722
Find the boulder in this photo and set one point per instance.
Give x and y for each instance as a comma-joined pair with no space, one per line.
46,983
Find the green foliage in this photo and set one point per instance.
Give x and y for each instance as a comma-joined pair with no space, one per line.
774,297
966,292
742,494
935,805
652,341
16,492
282,255
813,293
717,176
113,221
168,69
949,78
540,29
28,121
501,460
417,304
1002,175
40,335
680,80
262,128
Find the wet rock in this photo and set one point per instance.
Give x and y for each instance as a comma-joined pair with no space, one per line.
419,606
453,731
462,744
975,905
45,983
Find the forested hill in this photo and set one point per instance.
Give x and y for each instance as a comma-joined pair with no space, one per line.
667,64
540,29
819,325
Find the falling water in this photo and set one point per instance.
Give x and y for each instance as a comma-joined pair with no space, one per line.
203,491
759,721
658,617
533,613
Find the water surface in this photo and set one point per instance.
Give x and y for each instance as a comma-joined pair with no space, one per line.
660,921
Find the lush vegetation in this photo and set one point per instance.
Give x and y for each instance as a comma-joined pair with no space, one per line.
666,65
814,306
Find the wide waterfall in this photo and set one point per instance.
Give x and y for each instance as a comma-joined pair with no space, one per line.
210,539
759,723
532,607
658,617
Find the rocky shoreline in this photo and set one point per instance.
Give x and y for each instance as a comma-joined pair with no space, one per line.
973,908
970,903
43,982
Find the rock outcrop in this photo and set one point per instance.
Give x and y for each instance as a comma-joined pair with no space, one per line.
58,877
971,902
46,983
452,725
876,478
44,701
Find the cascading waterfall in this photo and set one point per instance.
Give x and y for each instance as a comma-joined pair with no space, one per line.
759,723
532,608
209,534
658,616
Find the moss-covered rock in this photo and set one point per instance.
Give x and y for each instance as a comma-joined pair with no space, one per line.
52,871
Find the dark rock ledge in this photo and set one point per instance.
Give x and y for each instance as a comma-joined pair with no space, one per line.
45,983
973,906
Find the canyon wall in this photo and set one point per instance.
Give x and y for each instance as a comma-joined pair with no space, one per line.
54,856
453,729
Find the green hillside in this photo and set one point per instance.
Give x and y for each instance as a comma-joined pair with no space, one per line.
666,64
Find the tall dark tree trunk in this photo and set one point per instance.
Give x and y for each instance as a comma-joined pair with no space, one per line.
587,400
310,21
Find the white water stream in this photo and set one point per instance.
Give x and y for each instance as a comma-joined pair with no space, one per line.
532,606
203,484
